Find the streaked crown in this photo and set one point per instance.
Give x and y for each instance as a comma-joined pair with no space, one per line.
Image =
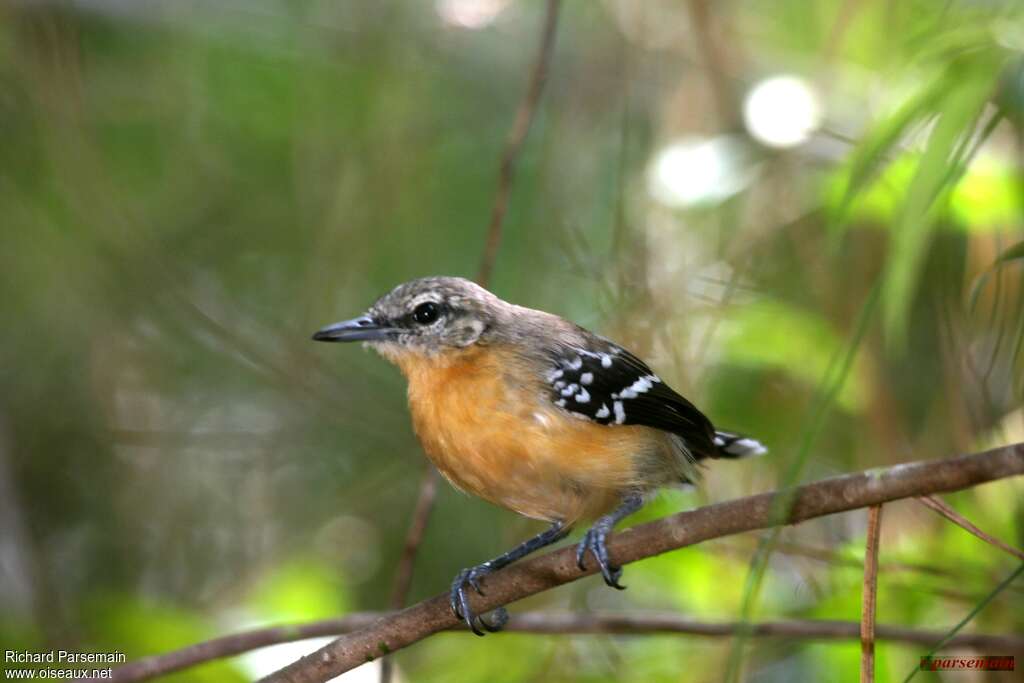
426,314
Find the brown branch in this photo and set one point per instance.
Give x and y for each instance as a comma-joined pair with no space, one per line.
952,515
516,136
817,499
417,528
555,623
716,61
870,598
413,539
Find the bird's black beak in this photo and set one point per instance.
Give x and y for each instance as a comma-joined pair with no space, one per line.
363,328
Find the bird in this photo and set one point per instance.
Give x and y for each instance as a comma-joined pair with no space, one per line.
535,414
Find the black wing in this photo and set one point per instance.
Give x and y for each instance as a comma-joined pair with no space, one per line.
609,385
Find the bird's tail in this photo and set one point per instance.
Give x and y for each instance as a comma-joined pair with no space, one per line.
731,445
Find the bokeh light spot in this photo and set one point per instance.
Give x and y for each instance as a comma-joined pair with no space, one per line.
695,171
782,111
470,14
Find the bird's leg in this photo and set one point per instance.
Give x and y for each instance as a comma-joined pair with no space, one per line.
594,540
471,577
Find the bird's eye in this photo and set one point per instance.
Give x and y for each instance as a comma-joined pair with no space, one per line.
426,313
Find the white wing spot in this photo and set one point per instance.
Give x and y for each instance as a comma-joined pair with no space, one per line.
603,412
575,364
640,386
620,413
748,447
560,403
570,390
583,396
560,384
606,360
555,374
587,378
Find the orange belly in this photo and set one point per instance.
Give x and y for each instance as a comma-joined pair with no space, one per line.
501,439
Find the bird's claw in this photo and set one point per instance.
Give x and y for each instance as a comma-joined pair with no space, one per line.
594,541
459,601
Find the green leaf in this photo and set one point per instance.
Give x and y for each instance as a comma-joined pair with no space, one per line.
772,334
873,155
1011,254
936,175
985,200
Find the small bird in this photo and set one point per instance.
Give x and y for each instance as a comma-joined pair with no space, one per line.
535,414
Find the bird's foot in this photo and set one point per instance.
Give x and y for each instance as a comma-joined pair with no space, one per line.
594,541
459,601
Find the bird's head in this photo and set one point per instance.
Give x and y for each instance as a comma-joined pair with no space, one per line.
429,316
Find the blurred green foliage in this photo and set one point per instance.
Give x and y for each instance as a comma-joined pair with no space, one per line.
188,190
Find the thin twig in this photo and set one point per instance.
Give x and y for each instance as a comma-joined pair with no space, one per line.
952,515
870,598
506,174
420,515
516,136
556,623
413,539
716,61
830,556
826,497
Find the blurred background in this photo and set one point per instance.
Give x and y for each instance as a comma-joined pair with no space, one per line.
806,216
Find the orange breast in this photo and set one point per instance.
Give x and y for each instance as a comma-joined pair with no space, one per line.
496,435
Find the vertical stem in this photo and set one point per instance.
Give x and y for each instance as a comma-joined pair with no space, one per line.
870,597
413,538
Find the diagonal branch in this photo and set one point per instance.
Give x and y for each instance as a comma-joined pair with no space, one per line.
413,539
559,623
952,515
817,499
417,528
